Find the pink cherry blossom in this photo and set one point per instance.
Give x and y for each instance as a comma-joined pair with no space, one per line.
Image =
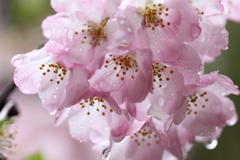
126,75
208,108
38,72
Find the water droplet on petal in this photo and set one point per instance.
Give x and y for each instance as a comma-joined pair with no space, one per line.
57,88
95,136
53,112
64,41
212,144
114,85
70,34
160,101
195,31
54,96
106,153
47,33
80,49
43,100
226,48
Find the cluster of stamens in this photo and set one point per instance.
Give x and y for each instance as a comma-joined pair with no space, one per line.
158,74
55,68
124,64
6,139
153,16
193,101
100,106
145,136
94,34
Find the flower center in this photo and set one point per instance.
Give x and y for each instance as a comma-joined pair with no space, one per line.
159,78
55,68
123,65
98,103
94,34
195,100
154,15
145,137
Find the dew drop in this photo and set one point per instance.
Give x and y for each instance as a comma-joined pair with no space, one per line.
114,85
47,33
64,41
226,48
160,101
70,34
43,100
195,31
38,85
212,144
106,153
94,136
53,112
80,49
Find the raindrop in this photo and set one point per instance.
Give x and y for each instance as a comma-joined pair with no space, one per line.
195,31
160,101
53,112
47,33
226,48
64,41
95,136
106,153
43,100
70,34
212,144
38,85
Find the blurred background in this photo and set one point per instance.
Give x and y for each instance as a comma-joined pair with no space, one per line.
20,32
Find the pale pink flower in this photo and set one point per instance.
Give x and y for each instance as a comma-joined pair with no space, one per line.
126,74
97,119
208,108
162,26
57,86
82,34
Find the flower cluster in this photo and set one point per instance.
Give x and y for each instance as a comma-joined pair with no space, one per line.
128,74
